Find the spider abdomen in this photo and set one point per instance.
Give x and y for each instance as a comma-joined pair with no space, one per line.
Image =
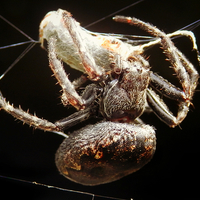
105,152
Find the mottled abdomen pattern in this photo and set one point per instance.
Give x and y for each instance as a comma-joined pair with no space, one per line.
105,152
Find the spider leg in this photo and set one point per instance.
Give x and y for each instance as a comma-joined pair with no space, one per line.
95,73
181,65
184,70
80,81
188,66
29,119
170,91
166,88
178,33
160,108
74,119
59,125
69,93
90,94
156,103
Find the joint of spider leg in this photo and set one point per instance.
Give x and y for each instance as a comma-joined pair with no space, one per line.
116,64
96,77
78,106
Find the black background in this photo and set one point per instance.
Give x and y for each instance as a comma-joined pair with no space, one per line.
28,154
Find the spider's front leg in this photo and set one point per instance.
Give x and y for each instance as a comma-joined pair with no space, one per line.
29,119
59,126
185,71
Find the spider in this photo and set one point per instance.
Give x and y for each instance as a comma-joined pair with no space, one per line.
122,88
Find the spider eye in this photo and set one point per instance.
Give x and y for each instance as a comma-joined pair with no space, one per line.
105,152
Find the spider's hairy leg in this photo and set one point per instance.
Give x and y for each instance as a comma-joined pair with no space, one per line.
166,88
170,91
178,33
94,71
90,94
74,119
189,67
182,67
80,81
69,93
186,73
29,119
160,108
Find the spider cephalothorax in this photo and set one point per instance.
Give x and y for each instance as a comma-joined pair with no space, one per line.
122,88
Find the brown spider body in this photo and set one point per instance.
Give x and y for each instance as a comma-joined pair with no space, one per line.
91,157
124,97
123,87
